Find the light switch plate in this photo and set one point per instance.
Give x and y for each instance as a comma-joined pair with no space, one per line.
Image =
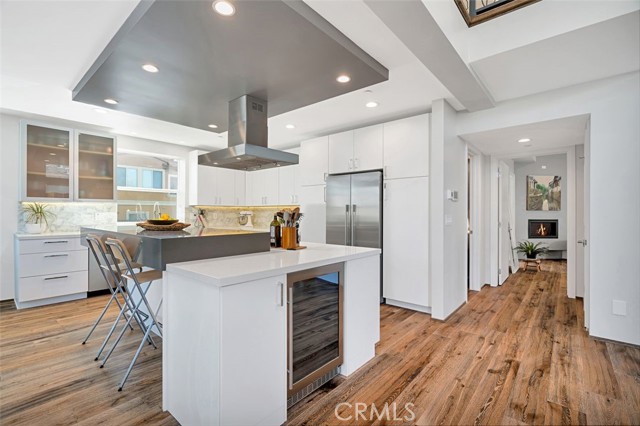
448,219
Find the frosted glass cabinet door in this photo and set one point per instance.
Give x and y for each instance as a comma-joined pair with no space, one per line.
95,167
47,162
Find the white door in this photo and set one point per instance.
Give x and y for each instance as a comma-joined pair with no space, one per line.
405,241
287,184
314,161
406,147
253,321
241,188
586,212
503,223
270,186
226,186
341,152
367,148
580,234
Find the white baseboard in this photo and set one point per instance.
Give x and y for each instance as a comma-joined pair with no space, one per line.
412,306
50,300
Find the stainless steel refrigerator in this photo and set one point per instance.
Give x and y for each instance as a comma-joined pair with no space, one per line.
354,210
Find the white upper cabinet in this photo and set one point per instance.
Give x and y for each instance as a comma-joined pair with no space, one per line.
289,185
341,152
314,161
406,147
356,150
262,187
213,186
367,148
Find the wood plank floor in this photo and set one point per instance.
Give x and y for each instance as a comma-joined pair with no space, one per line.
516,354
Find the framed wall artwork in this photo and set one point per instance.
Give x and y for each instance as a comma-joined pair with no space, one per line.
544,193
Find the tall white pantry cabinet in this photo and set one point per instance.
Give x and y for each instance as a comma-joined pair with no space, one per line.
400,149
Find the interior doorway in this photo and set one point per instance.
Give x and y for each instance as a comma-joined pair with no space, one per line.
474,217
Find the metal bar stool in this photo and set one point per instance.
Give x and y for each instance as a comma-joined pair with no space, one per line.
113,280
118,251
96,246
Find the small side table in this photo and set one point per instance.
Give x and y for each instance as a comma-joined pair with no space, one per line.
533,262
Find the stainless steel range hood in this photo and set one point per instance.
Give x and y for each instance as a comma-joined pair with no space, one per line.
248,139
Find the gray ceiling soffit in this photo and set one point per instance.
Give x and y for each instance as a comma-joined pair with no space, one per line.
412,23
279,51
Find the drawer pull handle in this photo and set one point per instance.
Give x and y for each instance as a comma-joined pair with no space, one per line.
56,278
57,255
57,242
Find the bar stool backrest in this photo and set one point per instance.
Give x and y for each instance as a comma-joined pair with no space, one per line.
99,250
120,255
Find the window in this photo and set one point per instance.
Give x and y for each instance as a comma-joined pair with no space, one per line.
147,187
138,177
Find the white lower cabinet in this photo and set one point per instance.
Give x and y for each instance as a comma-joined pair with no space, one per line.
313,205
49,270
253,321
228,361
406,242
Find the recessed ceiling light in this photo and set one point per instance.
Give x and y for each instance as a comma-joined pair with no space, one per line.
544,167
290,126
524,140
100,110
371,104
343,78
52,153
213,126
150,68
111,101
224,7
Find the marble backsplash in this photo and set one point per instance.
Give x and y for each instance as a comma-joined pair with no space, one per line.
227,217
69,217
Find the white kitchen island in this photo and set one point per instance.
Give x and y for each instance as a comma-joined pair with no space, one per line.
225,331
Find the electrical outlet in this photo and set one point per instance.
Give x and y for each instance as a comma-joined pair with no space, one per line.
619,307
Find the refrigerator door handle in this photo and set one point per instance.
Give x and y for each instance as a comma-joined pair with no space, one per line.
353,224
347,218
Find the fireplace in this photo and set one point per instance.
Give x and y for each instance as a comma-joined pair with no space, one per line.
539,228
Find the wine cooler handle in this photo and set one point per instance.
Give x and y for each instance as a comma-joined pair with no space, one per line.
290,338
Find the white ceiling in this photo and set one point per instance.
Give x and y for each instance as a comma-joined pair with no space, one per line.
590,53
46,46
547,137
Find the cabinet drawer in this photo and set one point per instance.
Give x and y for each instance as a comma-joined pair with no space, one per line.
53,263
45,286
45,245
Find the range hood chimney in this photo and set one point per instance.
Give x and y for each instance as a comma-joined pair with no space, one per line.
247,140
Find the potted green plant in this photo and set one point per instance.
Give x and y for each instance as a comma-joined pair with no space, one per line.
37,216
530,249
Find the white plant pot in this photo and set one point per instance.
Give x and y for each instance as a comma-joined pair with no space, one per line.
34,228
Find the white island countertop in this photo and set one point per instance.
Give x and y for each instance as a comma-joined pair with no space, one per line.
238,269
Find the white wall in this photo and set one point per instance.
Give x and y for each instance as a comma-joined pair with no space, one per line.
448,219
9,195
556,166
614,177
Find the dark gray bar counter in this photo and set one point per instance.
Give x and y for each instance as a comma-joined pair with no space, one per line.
158,248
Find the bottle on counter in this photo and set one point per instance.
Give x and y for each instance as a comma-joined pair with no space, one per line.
275,232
